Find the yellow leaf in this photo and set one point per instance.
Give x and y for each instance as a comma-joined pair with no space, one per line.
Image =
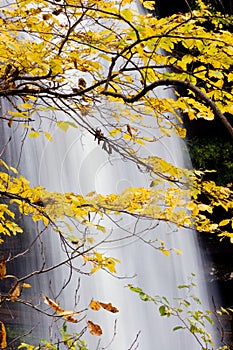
127,14
127,137
95,305
149,5
48,136
140,142
101,228
164,251
64,125
224,222
34,134
26,105
180,131
179,252
26,346
106,57
165,131
114,132
26,285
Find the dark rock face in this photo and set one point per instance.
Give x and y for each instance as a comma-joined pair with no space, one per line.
225,6
169,7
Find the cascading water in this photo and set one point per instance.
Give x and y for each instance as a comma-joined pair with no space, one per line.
74,162
81,167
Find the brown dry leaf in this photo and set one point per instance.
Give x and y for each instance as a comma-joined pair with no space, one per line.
82,83
52,304
129,130
15,292
70,319
95,305
94,329
109,307
68,315
2,268
3,343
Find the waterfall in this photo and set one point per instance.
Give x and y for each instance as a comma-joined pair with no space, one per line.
81,167
74,162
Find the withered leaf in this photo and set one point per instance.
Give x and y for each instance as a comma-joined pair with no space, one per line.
57,12
68,315
2,268
3,343
109,307
94,329
129,130
10,121
82,83
96,305
15,292
52,304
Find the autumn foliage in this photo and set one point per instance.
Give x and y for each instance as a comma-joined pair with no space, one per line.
98,66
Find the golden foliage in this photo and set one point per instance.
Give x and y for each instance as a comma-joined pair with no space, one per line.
85,59
177,204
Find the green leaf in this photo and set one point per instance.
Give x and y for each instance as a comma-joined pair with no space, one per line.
165,299
183,286
186,303
144,297
209,319
162,310
135,289
177,327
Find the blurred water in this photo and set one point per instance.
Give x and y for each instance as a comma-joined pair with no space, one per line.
74,162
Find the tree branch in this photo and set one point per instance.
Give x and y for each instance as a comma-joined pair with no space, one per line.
172,82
